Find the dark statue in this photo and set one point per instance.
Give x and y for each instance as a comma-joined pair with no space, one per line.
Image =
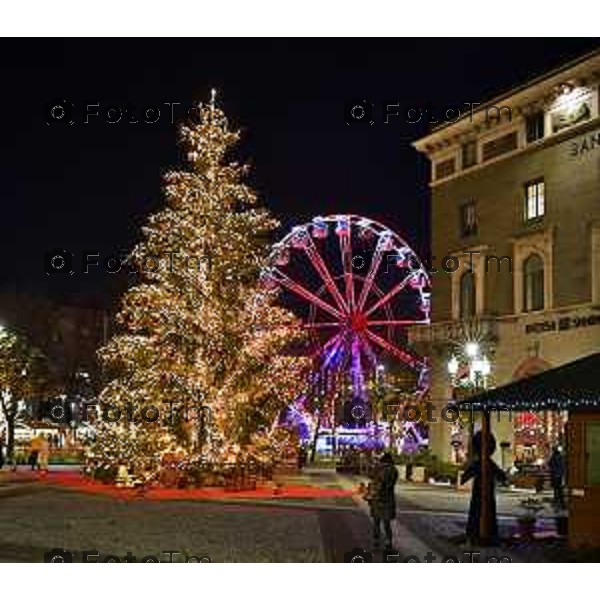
473,471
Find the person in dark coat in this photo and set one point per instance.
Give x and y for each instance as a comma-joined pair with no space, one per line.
1,453
33,460
556,465
382,499
473,471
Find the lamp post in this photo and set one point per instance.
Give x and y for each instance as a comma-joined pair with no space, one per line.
479,368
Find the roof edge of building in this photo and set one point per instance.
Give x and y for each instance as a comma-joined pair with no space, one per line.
443,130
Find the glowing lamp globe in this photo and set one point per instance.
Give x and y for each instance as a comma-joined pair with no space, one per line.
485,367
453,366
472,349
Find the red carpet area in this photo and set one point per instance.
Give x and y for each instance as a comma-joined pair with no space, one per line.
79,483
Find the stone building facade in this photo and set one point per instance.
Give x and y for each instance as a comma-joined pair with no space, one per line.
515,190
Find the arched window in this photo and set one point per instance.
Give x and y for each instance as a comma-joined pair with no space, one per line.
533,283
467,295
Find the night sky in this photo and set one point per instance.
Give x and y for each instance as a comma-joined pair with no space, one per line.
91,186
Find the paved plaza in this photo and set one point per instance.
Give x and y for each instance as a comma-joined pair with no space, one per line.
36,517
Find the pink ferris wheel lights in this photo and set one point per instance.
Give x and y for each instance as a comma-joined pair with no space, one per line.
357,311
343,227
282,257
320,230
299,239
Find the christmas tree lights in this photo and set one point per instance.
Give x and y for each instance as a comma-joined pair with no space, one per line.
198,329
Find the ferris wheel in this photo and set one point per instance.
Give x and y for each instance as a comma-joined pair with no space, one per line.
357,287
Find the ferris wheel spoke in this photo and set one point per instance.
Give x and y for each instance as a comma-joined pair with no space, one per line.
351,314
368,349
403,355
331,340
358,384
366,288
395,290
401,323
291,285
321,268
334,343
346,251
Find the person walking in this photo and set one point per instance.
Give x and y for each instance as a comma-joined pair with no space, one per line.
556,465
1,453
382,499
44,454
35,448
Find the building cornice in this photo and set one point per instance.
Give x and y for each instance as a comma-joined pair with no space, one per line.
551,140
522,100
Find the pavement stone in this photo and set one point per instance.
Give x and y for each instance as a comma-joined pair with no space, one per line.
35,518
431,520
30,525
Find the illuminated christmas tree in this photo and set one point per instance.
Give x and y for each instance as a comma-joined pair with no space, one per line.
201,340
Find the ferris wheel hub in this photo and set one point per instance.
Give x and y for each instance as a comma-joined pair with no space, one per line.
358,322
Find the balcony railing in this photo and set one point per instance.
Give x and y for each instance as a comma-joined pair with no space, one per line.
450,332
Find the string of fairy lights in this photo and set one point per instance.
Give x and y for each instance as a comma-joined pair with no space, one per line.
210,333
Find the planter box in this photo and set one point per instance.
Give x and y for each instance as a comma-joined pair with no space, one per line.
418,474
401,472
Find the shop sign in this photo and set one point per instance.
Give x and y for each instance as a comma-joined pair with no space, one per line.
585,144
563,323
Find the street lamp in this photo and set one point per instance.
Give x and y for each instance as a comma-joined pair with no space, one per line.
472,349
479,368
453,366
486,366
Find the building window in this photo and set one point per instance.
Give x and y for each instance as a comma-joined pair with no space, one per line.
499,146
533,283
467,295
534,125
534,200
592,447
468,219
469,154
445,168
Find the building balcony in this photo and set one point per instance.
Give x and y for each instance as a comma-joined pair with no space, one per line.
444,334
